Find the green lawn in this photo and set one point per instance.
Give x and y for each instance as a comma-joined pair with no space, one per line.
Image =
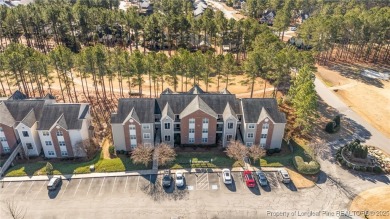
219,160
120,163
285,159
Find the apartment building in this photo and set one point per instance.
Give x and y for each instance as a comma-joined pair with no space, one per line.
43,125
197,118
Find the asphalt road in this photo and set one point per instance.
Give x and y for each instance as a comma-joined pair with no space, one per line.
204,196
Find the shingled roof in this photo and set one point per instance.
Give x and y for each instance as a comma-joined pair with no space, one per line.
196,90
25,111
65,115
17,95
144,108
197,104
252,109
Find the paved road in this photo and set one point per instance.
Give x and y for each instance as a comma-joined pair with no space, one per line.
376,138
205,196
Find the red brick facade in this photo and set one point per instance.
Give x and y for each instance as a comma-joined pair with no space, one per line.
10,136
269,133
198,116
68,143
127,133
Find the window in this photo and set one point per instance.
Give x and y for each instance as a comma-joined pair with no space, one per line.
249,144
229,137
191,130
146,126
45,133
132,127
205,130
204,140
167,125
167,138
205,121
262,145
64,153
133,137
177,126
191,140
29,146
251,126
177,117
230,125
1,129
59,133
25,133
62,143
263,135
265,126
250,135
191,121
6,149
48,143
133,145
3,139
50,153
146,135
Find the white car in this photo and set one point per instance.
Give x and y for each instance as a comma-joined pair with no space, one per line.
285,176
226,176
179,179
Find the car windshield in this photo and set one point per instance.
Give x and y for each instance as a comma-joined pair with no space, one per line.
250,176
285,175
179,177
166,177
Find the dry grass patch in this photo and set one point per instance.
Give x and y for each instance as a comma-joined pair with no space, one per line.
373,200
301,181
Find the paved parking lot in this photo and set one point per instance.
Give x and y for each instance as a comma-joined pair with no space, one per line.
131,185
203,196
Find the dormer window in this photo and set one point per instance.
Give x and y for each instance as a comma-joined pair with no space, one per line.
45,133
265,126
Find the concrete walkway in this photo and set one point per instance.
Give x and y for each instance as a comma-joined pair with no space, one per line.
376,138
127,173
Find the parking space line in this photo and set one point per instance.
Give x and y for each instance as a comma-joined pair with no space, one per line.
277,180
208,182
74,194
127,177
44,183
113,186
62,194
90,186
136,189
102,186
25,194
18,187
5,186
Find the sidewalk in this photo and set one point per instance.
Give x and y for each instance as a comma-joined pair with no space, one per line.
128,173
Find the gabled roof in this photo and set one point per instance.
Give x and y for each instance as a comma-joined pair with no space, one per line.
264,114
133,115
143,107
167,111
49,96
196,90
65,115
225,91
20,109
198,104
5,116
228,112
167,91
252,109
17,95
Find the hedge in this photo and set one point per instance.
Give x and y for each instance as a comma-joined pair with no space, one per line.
312,167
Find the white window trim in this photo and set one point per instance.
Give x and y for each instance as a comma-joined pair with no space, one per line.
253,135
232,125
191,129
50,153
59,143
135,137
3,139
166,127
263,137
64,155
147,126
251,124
205,121
165,138
265,124
28,134
189,140
207,140
146,134
59,131
191,121
132,127
46,143
249,144
45,133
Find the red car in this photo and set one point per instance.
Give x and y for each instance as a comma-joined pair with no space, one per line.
249,180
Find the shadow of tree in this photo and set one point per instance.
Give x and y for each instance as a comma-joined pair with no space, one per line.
353,71
158,193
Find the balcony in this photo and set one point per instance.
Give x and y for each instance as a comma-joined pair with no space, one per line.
219,128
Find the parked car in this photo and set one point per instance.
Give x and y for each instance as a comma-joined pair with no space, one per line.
262,178
166,181
53,183
179,179
249,180
226,176
285,176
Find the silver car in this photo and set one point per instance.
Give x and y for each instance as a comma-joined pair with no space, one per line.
226,176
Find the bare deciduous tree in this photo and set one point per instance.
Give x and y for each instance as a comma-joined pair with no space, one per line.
87,147
236,150
256,152
14,209
165,154
142,155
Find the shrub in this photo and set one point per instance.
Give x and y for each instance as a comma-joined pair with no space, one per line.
312,167
333,126
369,169
337,120
340,159
111,150
329,128
49,168
377,169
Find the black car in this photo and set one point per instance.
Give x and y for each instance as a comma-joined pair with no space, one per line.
167,179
